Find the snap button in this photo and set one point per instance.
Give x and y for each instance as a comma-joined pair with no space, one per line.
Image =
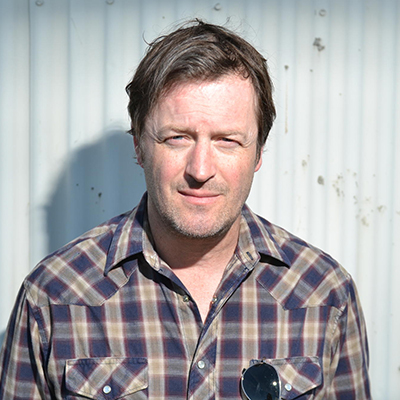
288,387
185,298
107,389
201,364
214,299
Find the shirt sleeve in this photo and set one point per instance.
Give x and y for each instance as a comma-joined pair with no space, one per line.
21,368
350,363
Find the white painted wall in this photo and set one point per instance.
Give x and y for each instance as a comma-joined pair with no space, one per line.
330,171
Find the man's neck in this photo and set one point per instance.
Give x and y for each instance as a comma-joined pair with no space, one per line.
198,263
181,252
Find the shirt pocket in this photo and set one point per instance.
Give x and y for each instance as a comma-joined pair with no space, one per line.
105,378
299,376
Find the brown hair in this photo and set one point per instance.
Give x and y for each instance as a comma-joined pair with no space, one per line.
198,51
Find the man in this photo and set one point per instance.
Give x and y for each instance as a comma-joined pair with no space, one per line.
176,298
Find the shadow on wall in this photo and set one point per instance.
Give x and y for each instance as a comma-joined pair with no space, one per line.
98,182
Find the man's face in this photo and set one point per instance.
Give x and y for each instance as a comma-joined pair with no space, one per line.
199,155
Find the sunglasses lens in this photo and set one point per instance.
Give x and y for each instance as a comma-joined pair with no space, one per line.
261,382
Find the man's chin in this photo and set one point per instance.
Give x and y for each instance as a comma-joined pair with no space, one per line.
200,231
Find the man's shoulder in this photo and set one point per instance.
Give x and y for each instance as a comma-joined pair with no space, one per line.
311,277
76,271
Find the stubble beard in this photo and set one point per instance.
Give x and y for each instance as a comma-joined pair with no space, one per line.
193,222
180,221
199,227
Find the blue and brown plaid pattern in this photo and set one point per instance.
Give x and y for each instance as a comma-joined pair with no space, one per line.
105,318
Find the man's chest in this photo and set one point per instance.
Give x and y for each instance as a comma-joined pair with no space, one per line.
150,335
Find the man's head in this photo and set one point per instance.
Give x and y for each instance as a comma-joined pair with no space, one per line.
201,109
198,52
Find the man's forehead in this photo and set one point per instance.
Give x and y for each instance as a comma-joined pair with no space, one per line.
228,97
232,79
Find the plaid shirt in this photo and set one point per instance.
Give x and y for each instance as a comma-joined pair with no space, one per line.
105,318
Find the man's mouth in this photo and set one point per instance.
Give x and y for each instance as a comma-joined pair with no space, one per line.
199,197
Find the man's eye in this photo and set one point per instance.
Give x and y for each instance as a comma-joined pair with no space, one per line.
227,142
174,138
177,140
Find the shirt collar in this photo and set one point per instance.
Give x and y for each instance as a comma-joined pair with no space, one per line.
130,238
266,243
127,241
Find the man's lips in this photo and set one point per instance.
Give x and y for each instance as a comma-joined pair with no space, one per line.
199,197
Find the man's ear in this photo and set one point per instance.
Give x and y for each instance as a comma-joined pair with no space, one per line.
259,161
138,151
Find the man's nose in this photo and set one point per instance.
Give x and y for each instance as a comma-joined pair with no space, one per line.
201,163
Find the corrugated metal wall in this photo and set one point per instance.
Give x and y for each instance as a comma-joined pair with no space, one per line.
330,170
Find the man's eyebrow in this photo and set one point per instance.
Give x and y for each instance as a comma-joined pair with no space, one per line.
177,129
173,128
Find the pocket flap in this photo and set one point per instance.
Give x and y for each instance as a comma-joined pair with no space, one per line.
298,375
106,378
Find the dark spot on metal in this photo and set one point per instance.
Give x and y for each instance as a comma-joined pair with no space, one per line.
318,44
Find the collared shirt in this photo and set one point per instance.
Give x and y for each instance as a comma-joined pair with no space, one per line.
105,318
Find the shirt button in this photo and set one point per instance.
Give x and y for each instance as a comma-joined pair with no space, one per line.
288,387
106,389
201,364
185,298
